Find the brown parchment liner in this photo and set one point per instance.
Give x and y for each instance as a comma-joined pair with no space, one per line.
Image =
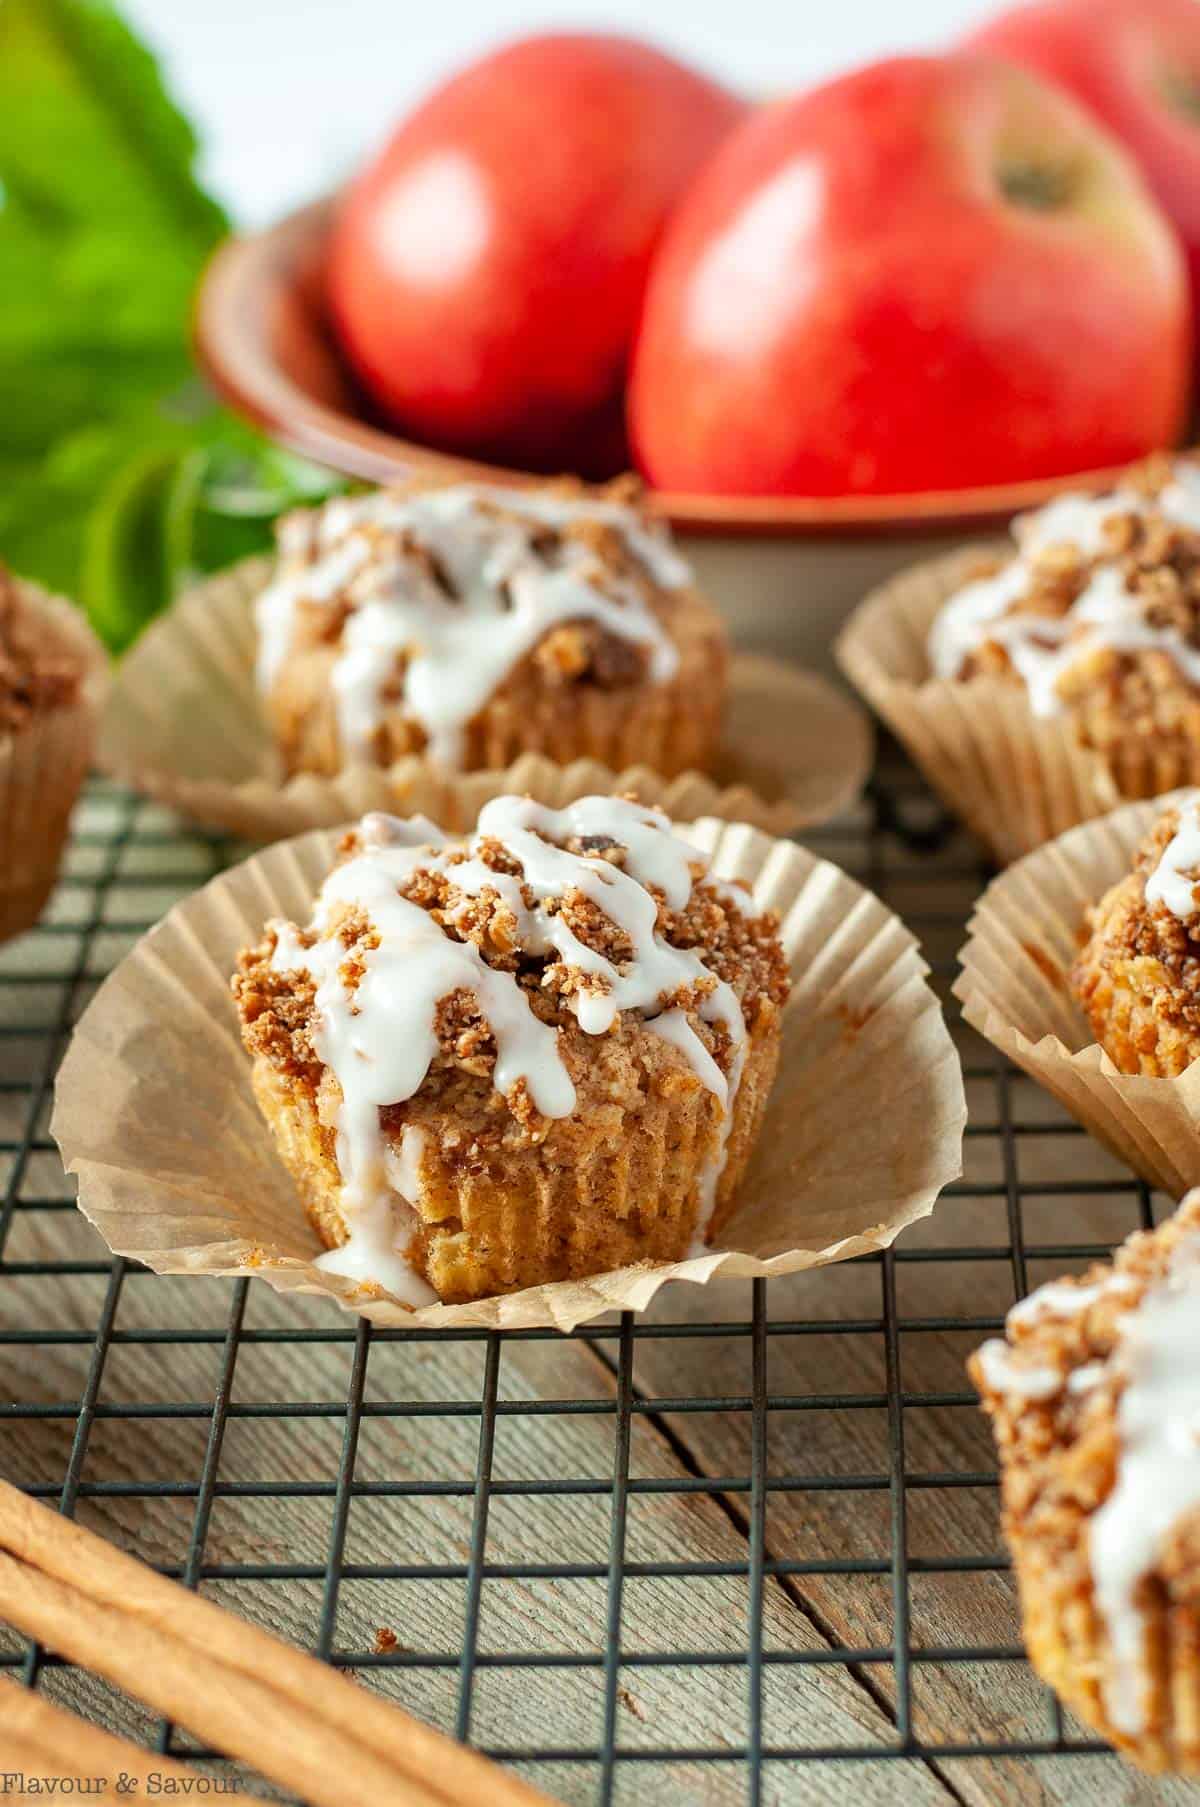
1015,780
1025,935
43,765
154,1109
185,727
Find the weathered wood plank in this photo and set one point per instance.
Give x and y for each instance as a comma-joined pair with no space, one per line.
538,1706
951,1702
658,1706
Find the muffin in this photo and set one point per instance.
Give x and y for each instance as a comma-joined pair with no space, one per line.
52,674
1094,1397
1138,976
540,1053
472,624
1098,617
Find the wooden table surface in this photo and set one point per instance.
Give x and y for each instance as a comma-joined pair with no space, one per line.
430,1431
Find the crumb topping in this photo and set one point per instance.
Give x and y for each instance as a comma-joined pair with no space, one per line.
1092,1398
1099,612
1051,1387
34,676
433,595
1125,927
739,948
553,954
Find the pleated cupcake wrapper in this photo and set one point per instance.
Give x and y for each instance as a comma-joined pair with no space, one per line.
1025,936
154,1109
185,726
43,766
1014,779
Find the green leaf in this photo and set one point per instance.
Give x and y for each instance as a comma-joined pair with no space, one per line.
47,393
103,228
120,479
180,508
89,139
221,539
125,574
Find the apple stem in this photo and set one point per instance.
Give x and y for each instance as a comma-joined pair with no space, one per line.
1040,186
1182,91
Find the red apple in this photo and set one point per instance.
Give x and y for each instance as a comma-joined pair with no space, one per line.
936,272
1136,65
488,268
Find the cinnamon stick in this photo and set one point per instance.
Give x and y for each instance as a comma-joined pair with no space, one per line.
25,1758
247,1693
40,1739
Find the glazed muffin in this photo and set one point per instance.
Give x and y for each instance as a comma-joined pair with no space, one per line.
52,673
471,624
1098,616
541,1053
1094,1398
1138,976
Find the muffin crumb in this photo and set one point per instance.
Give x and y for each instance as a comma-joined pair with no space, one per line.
607,1038
35,676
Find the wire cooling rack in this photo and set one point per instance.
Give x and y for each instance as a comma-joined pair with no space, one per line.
743,1548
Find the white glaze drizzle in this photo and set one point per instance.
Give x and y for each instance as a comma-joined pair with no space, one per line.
1180,500
1075,521
1001,1363
1061,1299
657,970
378,1038
1085,1379
674,1027
737,895
972,615
1173,881
1003,1373
1106,615
460,648
1157,1355
1158,1468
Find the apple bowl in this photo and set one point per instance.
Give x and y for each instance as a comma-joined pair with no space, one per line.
786,570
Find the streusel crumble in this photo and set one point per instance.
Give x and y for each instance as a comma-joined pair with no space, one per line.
1094,1398
541,1053
1138,976
53,673
1098,615
37,672
471,624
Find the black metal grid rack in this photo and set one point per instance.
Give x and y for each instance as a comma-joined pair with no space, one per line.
820,1484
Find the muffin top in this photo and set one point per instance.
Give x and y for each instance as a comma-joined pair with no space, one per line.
1094,579
36,672
1095,1399
480,977
1153,915
430,596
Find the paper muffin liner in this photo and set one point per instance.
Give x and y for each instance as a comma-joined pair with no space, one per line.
155,1113
1025,935
1014,779
43,766
186,727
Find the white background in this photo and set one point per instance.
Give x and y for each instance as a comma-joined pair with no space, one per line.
288,93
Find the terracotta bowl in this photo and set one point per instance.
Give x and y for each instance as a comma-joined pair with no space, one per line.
787,570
